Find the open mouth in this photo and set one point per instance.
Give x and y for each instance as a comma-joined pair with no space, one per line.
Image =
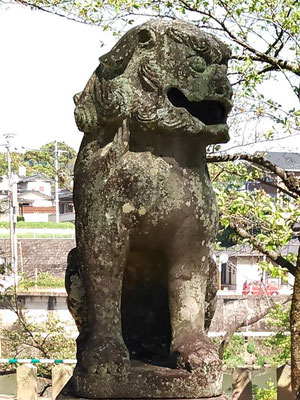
209,112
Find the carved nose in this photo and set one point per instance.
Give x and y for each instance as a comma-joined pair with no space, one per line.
76,98
219,83
223,87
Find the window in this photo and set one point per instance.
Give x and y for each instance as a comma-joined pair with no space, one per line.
228,274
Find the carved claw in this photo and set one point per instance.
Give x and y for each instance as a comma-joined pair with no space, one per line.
200,356
105,357
120,144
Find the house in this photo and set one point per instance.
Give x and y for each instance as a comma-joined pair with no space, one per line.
35,198
66,207
239,264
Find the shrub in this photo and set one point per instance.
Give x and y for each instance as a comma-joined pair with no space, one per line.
44,280
47,280
233,355
251,348
268,393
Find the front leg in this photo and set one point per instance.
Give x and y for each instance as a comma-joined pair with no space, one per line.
191,349
104,256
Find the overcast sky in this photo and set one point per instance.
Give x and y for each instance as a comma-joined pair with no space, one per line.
45,60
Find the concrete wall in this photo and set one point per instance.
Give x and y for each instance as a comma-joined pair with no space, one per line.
36,217
66,217
48,255
38,305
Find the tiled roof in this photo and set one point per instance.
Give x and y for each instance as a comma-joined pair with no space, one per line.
35,177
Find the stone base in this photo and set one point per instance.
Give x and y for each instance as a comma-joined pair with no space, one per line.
66,397
144,381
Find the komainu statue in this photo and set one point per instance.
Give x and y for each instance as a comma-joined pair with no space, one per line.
142,282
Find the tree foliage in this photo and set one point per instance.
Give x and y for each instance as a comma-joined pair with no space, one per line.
43,161
263,36
49,338
268,223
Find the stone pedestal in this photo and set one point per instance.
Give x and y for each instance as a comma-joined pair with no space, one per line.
144,381
63,397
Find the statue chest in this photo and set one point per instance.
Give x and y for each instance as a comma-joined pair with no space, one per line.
145,190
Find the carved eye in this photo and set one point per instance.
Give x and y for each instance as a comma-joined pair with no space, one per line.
146,38
198,64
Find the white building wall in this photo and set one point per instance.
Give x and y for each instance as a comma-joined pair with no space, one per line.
247,270
37,185
42,203
38,217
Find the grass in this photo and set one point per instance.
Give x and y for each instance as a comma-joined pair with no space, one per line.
27,235
44,280
39,225
31,235
63,235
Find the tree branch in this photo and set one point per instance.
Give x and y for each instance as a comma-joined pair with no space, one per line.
237,324
289,179
258,55
271,254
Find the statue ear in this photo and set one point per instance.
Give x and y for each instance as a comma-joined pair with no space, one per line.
146,38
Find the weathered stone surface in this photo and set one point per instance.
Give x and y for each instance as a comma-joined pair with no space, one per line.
66,397
60,376
145,381
27,382
241,384
284,383
141,281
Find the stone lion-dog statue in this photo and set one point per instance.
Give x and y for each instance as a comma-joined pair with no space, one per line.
142,281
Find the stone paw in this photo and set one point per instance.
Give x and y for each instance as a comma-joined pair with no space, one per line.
105,357
197,356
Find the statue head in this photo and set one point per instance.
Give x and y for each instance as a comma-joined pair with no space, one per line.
162,76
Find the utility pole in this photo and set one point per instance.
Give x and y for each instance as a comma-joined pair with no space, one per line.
56,155
56,181
13,204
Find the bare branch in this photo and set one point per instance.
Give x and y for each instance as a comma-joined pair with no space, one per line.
289,179
245,321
